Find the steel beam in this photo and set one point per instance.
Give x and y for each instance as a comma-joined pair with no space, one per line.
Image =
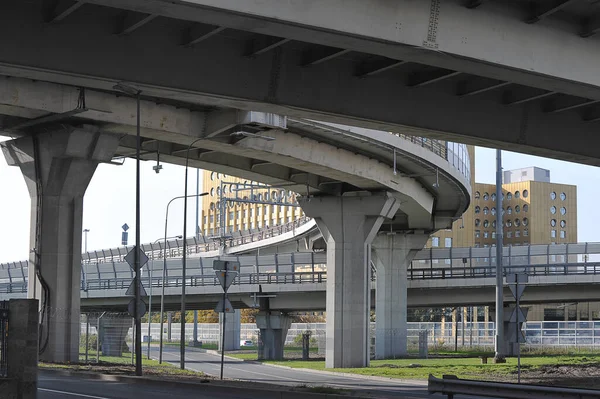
129,22
556,109
198,33
374,68
424,79
466,89
263,45
56,11
318,56
530,98
543,9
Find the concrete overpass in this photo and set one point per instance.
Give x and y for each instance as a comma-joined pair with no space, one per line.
373,180
456,69
446,68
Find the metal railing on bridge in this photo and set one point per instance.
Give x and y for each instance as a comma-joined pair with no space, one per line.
547,259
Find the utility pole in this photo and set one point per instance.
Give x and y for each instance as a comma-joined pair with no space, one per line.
499,356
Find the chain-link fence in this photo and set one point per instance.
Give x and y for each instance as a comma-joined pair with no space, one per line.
107,337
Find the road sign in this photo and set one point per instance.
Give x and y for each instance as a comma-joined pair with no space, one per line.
512,334
141,308
517,290
124,236
131,290
229,265
125,227
224,306
130,258
225,278
518,315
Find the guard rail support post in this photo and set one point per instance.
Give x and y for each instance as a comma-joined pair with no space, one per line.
23,346
450,385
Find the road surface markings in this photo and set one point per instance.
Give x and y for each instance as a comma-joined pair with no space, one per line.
81,395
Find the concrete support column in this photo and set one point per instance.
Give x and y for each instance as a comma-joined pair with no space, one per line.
233,327
112,334
273,327
392,253
348,225
57,167
22,348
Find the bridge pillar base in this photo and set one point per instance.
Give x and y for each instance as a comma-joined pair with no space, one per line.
112,334
391,255
58,166
349,224
273,327
233,326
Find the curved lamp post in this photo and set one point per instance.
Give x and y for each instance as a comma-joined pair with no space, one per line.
164,275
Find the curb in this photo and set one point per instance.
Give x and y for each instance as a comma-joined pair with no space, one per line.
419,383
208,386
217,353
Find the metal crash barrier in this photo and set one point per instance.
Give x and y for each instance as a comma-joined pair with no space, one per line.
3,339
451,385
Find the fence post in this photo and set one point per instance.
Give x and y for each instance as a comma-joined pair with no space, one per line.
22,355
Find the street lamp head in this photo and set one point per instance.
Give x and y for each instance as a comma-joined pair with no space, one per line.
127,89
86,230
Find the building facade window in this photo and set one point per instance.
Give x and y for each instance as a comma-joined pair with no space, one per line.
448,242
493,197
563,234
525,193
563,196
486,234
509,234
552,195
508,196
435,241
477,233
493,234
517,233
486,196
553,222
493,211
517,194
509,210
553,209
563,210
525,208
486,210
477,209
526,233
517,222
553,233
563,223
477,222
477,194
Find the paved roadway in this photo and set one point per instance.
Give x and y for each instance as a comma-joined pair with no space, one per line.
250,371
52,386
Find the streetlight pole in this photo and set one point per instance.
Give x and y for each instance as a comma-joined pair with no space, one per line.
85,233
164,275
499,356
183,260
135,92
150,299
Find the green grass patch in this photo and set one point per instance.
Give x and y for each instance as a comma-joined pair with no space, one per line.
462,367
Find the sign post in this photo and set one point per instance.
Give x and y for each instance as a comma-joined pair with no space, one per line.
226,272
516,283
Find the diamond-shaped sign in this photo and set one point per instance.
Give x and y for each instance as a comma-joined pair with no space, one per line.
225,278
130,258
229,265
125,227
518,316
131,290
512,334
141,308
224,306
517,290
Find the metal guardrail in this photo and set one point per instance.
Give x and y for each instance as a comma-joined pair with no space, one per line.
450,386
3,338
200,281
490,271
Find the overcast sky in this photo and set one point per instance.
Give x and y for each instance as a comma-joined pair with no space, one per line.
110,200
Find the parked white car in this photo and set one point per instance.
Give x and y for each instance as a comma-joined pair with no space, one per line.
246,342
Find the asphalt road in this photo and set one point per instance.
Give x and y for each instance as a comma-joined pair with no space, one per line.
52,386
250,371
